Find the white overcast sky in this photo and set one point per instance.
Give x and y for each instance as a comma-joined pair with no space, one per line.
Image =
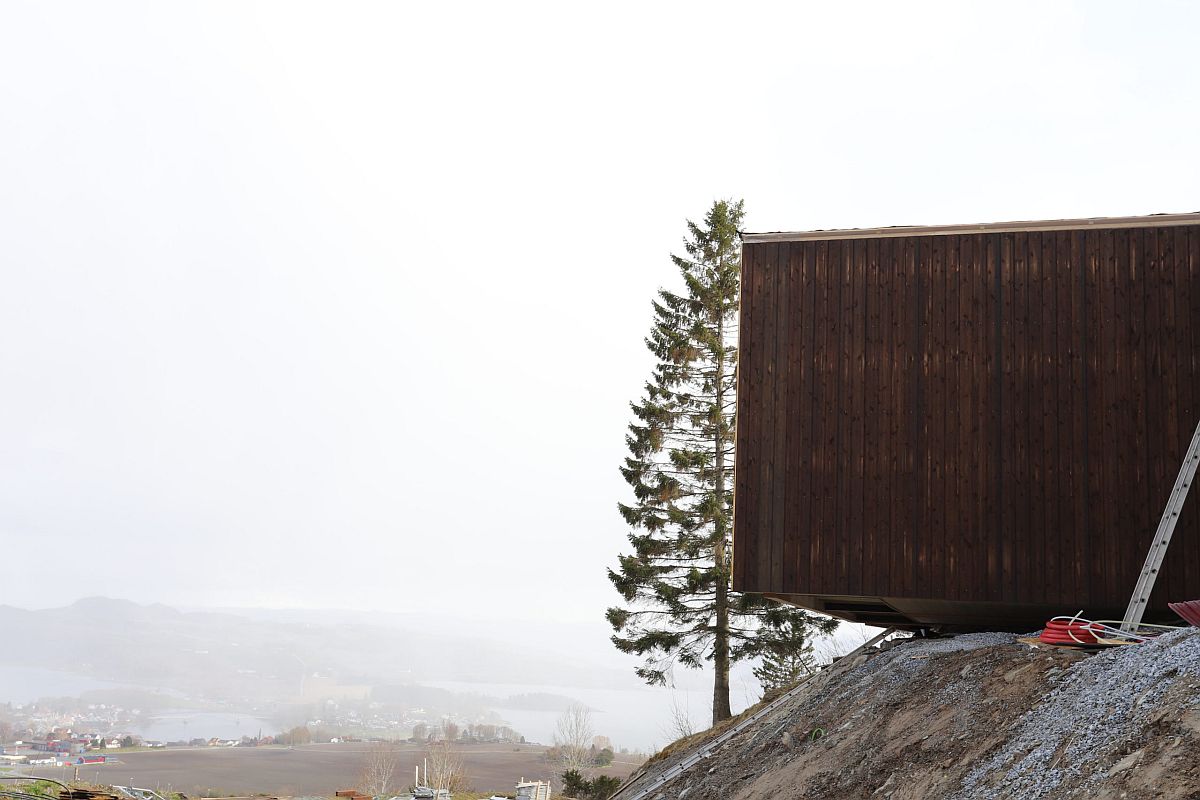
342,304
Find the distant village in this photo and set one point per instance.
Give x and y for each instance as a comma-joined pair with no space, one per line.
94,733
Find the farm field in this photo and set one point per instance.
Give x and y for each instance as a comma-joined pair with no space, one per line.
318,769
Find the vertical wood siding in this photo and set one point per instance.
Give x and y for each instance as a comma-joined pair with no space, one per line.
976,417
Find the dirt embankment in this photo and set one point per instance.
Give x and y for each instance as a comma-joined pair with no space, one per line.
975,717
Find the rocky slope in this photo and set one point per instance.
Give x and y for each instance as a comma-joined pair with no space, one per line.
972,717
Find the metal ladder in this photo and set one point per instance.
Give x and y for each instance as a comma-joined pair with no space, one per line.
1162,536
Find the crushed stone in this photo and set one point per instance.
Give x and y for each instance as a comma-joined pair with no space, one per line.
1079,730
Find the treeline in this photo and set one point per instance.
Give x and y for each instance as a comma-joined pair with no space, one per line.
421,733
453,732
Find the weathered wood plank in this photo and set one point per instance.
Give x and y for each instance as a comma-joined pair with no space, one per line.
746,501
995,374
972,430
1071,329
770,365
1121,460
1102,402
825,424
880,436
922,535
781,362
857,388
803,531
1009,396
794,418
1188,254
952,398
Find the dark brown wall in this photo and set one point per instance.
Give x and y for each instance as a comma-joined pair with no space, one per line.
994,416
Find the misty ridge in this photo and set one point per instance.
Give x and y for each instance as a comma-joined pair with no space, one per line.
261,659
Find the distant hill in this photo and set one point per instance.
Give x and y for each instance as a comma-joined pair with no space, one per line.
230,656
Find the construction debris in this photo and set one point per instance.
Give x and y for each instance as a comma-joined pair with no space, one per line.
76,793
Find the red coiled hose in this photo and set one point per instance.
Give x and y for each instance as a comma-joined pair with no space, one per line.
1059,631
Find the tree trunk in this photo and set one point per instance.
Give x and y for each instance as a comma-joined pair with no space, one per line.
721,710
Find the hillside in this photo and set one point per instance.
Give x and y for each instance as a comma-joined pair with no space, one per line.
975,717
264,658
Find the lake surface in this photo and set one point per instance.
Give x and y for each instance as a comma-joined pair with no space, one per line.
184,724
27,684
636,718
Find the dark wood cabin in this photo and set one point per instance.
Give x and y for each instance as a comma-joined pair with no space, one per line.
967,427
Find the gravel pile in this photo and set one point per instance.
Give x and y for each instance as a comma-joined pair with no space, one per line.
955,644
900,664
1091,720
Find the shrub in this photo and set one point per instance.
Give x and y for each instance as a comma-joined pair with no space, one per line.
598,788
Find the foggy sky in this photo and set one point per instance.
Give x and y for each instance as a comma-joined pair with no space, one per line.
342,305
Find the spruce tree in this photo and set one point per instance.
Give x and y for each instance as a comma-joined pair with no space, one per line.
679,608
787,653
